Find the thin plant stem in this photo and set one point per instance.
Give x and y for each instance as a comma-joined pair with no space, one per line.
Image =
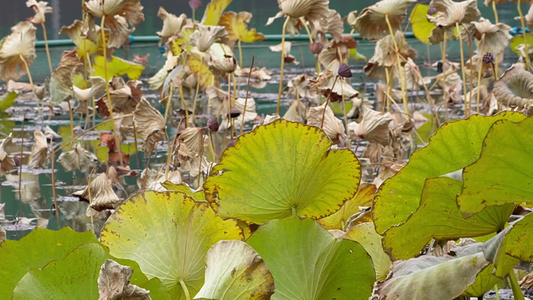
201,159
109,103
317,63
90,196
21,156
429,97
400,72
388,92
182,99
185,289
169,100
71,120
231,105
212,145
523,24
284,29
29,74
240,54
46,47
471,78
327,102
497,292
348,142
480,70
513,282
496,19
136,145
444,44
246,95
467,112
54,194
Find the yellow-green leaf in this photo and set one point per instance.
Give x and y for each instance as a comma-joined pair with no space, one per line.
201,71
117,67
213,11
280,170
7,100
169,235
421,26
237,27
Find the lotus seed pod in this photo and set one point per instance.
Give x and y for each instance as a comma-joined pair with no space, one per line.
212,123
316,48
234,112
344,71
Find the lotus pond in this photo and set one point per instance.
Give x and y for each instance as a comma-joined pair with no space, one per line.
383,153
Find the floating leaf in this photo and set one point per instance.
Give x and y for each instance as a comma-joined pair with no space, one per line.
339,219
72,277
236,26
7,100
453,147
235,271
439,217
422,27
309,263
366,235
308,179
502,174
35,250
168,234
117,67
213,11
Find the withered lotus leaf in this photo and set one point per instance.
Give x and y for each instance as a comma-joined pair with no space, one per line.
150,124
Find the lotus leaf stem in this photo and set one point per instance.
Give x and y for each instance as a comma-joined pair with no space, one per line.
167,108
430,99
231,105
399,66
54,194
497,292
240,55
201,158
90,196
182,99
29,74
513,282
444,46
471,78
523,24
480,70
317,63
185,289
467,112
197,91
71,120
46,48
389,90
21,155
283,31
348,142
246,95
496,19
327,102
108,94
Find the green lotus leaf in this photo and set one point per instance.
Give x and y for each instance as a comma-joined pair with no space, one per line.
280,170
510,246
35,250
235,271
485,281
7,100
519,39
453,147
422,27
182,187
309,263
73,277
503,173
339,219
169,235
366,235
439,217
117,67
430,277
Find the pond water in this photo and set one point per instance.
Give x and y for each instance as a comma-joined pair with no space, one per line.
32,204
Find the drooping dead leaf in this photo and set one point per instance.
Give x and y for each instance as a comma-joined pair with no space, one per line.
515,88
99,193
151,180
371,22
39,151
114,283
374,126
124,96
496,36
6,159
334,89
205,36
21,42
150,124
310,10
78,159
189,151
333,127
40,8
172,24
289,58
61,82
118,14
256,73
84,36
